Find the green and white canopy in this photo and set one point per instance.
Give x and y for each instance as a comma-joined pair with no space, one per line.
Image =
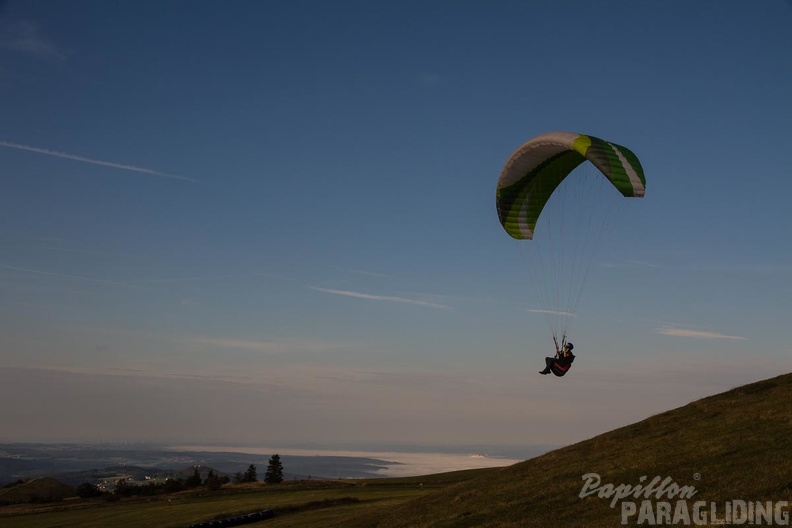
536,169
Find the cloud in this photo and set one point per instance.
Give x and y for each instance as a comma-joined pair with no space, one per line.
554,312
24,37
57,154
758,267
63,276
223,277
680,332
387,298
368,273
269,347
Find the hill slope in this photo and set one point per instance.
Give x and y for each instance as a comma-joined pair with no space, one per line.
42,489
733,446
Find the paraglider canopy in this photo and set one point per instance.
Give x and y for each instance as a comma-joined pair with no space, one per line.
549,195
537,168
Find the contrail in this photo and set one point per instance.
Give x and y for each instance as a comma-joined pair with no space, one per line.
553,312
679,332
381,298
73,277
66,155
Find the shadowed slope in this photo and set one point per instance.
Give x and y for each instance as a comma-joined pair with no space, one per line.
43,489
738,444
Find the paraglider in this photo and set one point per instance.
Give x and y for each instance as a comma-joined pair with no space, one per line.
564,212
560,364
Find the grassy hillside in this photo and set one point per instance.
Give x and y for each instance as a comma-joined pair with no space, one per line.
36,490
738,444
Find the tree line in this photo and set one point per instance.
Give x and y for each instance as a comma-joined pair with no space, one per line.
212,482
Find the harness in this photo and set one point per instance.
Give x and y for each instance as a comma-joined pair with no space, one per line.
561,365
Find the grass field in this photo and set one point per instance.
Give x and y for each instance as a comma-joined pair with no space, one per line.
297,504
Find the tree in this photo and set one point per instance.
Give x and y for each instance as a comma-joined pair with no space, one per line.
194,480
86,490
172,485
122,489
14,484
213,482
274,474
250,474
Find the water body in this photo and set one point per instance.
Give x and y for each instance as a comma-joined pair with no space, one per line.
385,463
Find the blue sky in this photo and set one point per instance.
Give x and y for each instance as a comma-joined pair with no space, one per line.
220,217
